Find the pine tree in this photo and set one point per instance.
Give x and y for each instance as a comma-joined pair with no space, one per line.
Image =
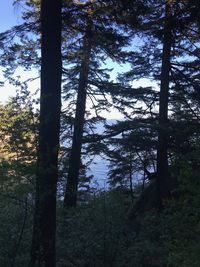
75,155
43,241
98,42
18,146
162,150
167,37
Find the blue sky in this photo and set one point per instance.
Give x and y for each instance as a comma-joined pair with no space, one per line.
9,15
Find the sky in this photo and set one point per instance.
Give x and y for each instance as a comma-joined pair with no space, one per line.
9,16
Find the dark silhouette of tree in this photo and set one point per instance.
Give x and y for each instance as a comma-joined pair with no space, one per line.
87,77
75,155
162,155
44,229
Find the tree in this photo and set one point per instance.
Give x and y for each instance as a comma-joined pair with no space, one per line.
180,40
75,155
162,150
168,35
93,81
43,241
131,151
18,146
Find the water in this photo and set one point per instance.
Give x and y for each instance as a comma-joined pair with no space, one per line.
98,167
99,170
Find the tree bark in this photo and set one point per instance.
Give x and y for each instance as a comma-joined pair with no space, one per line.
70,198
131,176
44,228
162,155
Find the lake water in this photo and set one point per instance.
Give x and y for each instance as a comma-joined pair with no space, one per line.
98,167
99,170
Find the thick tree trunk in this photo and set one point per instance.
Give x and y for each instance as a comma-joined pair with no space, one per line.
162,155
44,229
70,198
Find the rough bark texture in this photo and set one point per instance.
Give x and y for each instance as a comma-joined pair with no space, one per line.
162,155
43,241
70,199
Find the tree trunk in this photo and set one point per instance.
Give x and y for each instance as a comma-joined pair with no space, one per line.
162,157
70,198
131,176
44,228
